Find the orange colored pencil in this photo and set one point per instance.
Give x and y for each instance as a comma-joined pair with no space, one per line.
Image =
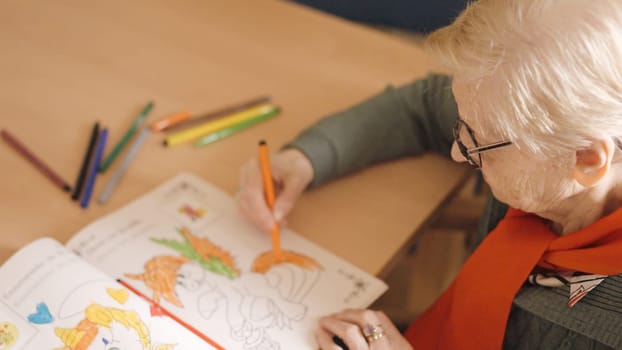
171,120
172,316
268,185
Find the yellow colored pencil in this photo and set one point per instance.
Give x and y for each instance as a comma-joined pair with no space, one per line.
209,127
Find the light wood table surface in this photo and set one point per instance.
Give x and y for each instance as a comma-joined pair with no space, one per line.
66,63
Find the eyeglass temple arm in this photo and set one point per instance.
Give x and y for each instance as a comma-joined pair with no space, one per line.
488,147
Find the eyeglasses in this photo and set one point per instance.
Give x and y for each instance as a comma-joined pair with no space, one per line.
470,149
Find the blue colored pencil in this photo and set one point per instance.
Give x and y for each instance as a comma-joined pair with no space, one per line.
90,183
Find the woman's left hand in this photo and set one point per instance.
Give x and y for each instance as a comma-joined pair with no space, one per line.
360,330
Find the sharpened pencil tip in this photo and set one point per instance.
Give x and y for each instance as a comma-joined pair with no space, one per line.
262,142
67,188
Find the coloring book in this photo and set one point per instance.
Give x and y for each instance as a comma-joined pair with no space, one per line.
207,277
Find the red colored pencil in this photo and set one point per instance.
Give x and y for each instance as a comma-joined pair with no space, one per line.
38,163
169,314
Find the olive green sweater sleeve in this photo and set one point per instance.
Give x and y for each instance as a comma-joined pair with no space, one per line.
398,122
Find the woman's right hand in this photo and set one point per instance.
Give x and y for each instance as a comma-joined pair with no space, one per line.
291,172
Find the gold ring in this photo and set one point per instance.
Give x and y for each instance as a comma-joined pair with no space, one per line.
373,333
372,338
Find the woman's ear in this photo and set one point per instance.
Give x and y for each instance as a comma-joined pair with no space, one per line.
592,163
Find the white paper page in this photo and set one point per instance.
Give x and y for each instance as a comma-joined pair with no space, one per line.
52,299
185,246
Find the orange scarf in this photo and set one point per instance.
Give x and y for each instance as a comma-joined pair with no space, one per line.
470,315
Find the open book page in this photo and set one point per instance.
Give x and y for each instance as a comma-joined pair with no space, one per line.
52,299
186,247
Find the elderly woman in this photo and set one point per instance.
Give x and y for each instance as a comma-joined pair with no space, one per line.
536,105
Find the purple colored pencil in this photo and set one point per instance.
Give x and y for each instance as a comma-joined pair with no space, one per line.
34,160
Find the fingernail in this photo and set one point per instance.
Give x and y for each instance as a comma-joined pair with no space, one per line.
278,215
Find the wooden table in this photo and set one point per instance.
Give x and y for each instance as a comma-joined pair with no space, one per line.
66,63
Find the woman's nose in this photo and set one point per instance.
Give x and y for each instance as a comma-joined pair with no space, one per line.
456,155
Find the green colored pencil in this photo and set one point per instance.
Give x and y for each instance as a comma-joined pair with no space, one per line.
221,134
126,138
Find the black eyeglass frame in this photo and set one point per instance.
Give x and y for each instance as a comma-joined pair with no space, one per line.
467,152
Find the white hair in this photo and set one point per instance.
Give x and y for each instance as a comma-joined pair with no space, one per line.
546,74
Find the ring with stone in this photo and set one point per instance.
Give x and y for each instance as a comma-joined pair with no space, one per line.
372,333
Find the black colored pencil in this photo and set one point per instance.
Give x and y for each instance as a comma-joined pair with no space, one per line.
77,190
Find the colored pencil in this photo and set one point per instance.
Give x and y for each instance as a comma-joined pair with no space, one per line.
209,127
126,138
34,160
268,185
90,183
164,311
88,155
120,171
219,135
169,121
222,112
